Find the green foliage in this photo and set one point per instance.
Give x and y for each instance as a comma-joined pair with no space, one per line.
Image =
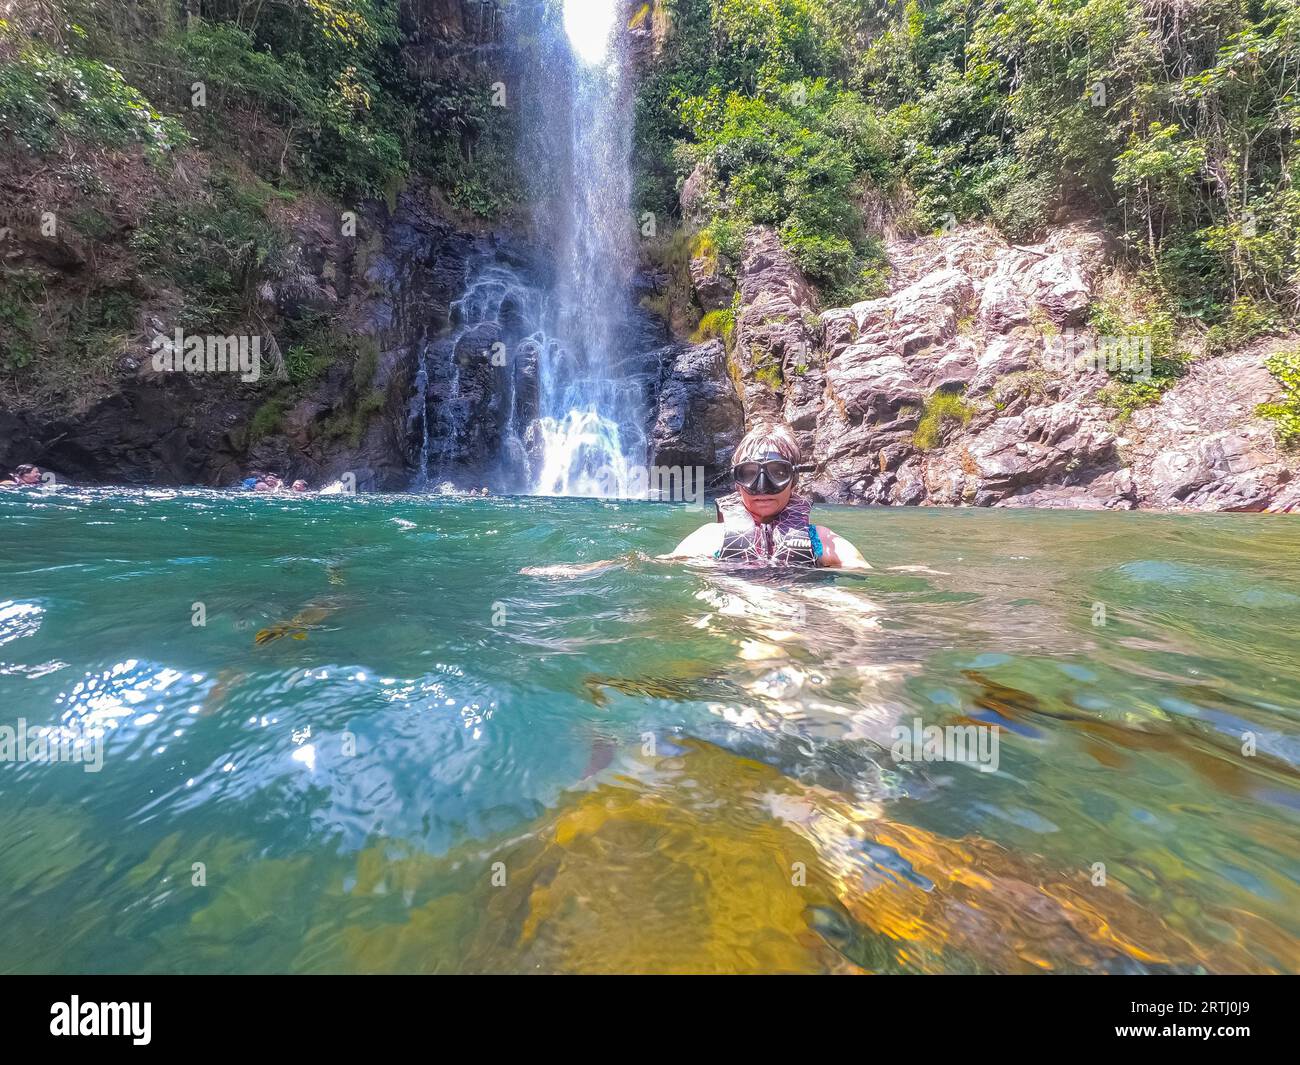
18,317
58,351
349,422
314,90
1143,315
268,419
1177,122
728,238
316,343
791,160
1247,319
769,374
212,248
940,411
715,324
1284,414
325,94
45,97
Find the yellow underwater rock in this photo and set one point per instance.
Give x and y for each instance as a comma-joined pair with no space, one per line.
720,864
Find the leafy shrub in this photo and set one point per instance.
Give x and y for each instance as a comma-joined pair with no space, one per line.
332,112
786,160
213,249
45,96
1284,414
18,317
940,411
1142,315
1249,318
316,343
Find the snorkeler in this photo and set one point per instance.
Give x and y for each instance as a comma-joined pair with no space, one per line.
24,476
763,522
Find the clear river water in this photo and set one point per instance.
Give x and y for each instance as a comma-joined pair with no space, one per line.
349,734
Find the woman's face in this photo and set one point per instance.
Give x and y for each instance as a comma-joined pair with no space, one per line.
765,507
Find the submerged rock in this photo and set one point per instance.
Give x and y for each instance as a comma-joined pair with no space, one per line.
730,866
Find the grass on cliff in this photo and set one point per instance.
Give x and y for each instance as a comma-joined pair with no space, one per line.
941,410
715,324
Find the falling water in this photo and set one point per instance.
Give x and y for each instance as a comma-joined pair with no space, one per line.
591,409
565,414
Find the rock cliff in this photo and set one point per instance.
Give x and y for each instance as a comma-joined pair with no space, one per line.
974,381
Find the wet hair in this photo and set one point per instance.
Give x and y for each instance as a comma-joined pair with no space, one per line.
24,469
766,437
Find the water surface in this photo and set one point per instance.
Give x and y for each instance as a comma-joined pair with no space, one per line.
387,749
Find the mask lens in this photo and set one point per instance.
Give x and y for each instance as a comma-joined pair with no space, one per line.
746,474
779,472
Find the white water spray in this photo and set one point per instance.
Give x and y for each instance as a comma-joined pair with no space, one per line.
591,407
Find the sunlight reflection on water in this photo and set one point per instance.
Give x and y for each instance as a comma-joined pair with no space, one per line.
676,768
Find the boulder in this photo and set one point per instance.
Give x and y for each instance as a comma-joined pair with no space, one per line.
713,288
698,419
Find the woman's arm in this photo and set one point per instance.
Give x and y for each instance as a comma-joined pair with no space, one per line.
704,542
838,552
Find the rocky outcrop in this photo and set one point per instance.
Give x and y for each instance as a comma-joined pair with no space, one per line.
774,332
389,288
987,343
713,288
698,418
1200,447
648,25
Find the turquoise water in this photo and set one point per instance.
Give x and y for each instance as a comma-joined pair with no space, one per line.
387,749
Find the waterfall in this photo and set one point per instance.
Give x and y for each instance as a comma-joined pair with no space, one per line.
591,405
564,412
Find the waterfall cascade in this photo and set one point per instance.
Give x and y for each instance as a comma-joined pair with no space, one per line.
591,404
570,395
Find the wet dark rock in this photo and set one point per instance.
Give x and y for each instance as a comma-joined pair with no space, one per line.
391,289
698,417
